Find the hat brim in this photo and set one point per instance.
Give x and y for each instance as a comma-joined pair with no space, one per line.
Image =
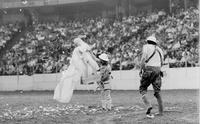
103,59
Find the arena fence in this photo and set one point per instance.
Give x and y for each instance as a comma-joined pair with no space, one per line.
176,78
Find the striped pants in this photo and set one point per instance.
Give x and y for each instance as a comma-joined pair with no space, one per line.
106,99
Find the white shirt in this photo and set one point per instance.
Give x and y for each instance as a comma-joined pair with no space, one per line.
148,50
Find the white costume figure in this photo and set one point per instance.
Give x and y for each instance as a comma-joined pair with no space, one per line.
82,64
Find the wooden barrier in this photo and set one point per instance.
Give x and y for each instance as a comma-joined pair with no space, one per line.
177,78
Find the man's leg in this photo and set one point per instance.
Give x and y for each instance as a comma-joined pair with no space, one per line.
147,104
103,101
108,99
144,84
157,87
160,103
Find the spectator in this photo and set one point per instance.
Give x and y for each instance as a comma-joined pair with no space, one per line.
48,46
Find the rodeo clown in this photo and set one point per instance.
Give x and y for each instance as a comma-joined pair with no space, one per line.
151,63
104,83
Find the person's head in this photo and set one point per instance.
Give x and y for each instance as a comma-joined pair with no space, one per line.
152,40
77,41
104,59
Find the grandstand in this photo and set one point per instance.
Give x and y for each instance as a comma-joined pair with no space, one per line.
36,44
36,37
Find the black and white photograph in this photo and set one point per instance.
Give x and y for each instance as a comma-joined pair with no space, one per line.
99,62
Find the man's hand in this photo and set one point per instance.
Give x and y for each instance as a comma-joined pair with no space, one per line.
141,70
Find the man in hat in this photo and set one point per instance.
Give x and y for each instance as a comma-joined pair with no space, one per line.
104,84
150,72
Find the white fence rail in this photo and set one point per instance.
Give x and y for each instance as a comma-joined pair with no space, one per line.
177,78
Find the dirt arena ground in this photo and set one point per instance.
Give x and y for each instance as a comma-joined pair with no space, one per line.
181,107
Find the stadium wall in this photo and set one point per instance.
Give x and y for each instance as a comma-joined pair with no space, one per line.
13,18
176,78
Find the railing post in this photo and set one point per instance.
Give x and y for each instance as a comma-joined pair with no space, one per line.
17,77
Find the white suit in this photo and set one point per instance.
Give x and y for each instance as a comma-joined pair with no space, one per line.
81,64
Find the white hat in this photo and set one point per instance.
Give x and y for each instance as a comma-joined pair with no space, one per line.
82,36
77,40
104,57
152,38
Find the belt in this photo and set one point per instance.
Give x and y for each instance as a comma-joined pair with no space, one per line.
156,67
105,83
152,68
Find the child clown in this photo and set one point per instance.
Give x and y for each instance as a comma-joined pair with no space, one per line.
105,82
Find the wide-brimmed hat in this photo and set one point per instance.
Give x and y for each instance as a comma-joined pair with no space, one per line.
104,57
152,38
78,41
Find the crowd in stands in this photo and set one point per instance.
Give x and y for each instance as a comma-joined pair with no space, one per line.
180,33
47,49
7,32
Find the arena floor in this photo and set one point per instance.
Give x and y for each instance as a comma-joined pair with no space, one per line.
181,107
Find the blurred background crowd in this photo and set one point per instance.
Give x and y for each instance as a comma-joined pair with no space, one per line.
7,32
47,47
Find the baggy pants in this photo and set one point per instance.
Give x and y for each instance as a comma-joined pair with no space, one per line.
106,100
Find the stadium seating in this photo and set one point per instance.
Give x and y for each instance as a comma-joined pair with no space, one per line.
47,48
7,32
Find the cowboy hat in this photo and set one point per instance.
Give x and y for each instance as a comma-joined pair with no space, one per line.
104,57
152,38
